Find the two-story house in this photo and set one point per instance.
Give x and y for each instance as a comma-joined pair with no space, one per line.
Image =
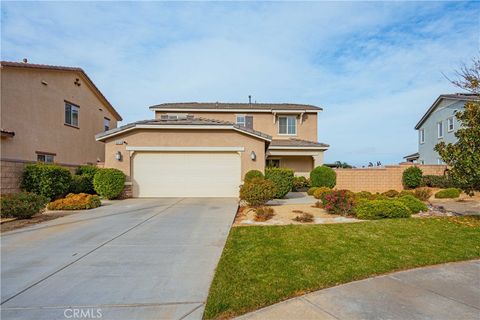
438,124
205,149
49,114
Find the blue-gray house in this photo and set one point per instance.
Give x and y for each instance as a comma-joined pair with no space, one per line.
438,124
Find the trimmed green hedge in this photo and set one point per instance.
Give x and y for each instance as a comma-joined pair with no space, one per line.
87,172
412,177
48,180
380,209
300,183
414,204
22,205
253,174
282,178
448,193
81,184
257,192
109,183
323,176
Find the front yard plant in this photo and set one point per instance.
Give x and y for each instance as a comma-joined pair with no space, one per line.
73,201
257,192
381,209
311,190
323,176
48,180
109,183
23,205
300,183
253,174
262,265
412,203
282,178
82,181
320,192
339,202
264,213
448,193
412,177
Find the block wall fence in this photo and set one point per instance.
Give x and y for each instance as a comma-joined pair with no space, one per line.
380,179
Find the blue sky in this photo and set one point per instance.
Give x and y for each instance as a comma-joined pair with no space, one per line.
375,67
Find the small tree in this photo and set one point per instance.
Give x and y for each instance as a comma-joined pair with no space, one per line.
463,156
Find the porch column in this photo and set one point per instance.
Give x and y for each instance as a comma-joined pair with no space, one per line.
317,159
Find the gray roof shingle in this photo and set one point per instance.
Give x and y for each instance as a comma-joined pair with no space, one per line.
226,106
188,121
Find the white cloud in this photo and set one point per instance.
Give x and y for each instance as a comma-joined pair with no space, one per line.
375,67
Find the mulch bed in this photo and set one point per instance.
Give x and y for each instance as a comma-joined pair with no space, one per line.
21,223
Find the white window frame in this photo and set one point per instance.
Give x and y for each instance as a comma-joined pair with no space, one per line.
106,124
239,122
74,109
47,158
421,133
287,126
440,130
450,122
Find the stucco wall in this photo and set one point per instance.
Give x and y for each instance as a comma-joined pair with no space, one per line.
302,165
444,110
185,138
379,179
263,122
36,113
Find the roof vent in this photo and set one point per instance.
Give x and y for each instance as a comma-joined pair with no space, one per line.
25,60
249,100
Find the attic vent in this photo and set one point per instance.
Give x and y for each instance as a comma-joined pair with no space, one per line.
182,117
164,117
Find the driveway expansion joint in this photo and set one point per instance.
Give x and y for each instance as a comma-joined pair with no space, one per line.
90,252
305,299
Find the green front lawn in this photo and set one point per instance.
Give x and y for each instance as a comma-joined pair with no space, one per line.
264,265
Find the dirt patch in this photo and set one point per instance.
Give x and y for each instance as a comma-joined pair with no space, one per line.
464,205
286,213
21,223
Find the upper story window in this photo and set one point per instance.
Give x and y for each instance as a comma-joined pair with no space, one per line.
46,158
71,114
287,125
240,120
106,124
439,130
450,124
422,135
173,116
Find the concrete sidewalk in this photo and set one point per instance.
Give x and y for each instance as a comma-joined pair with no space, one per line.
448,291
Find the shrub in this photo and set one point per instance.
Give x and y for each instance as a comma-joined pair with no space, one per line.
437,181
48,180
81,184
380,209
414,204
264,213
412,177
391,193
321,192
339,202
422,194
89,172
252,174
22,205
304,217
109,183
300,183
73,201
323,176
363,195
282,179
448,193
311,191
257,192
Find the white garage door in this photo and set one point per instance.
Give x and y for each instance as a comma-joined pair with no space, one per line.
187,174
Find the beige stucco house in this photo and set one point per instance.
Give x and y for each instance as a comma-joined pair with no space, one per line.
205,149
49,114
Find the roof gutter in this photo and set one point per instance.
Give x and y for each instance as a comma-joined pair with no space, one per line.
234,110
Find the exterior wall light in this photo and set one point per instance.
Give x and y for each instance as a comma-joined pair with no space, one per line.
253,156
118,156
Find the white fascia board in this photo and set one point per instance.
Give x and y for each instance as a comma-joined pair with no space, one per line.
187,149
296,148
235,110
293,153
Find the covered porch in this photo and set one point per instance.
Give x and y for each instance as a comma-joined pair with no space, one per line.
299,155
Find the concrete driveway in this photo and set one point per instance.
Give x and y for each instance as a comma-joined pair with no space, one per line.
131,259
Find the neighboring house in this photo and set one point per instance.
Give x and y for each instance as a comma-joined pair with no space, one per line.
438,124
205,149
49,114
